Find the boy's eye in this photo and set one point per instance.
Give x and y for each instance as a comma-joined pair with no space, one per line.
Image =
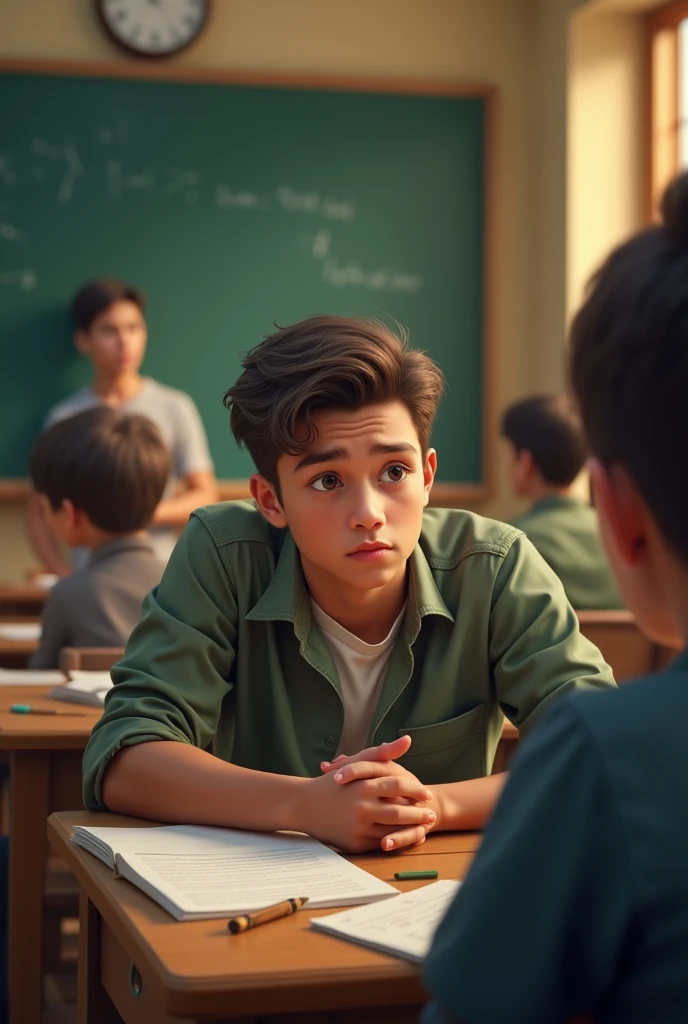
394,474
326,482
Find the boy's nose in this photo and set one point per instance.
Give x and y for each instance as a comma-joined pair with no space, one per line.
368,511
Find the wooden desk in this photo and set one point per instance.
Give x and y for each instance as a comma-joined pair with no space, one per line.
16,653
285,972
22,599
45,775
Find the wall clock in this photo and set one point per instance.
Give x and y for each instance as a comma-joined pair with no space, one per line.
153,28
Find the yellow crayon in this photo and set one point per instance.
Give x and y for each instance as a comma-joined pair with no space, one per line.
273,913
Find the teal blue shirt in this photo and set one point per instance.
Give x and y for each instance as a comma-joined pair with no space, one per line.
577,902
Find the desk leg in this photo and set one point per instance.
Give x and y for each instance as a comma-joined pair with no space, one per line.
94,1005
29,797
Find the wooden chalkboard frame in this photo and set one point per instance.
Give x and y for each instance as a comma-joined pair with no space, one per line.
447,494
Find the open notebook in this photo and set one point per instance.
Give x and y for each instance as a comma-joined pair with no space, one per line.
197,872
404,927
84,688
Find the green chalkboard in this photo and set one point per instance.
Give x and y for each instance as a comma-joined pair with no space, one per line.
235,206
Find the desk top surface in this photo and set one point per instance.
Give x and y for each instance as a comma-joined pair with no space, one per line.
198,966
22,593
69,730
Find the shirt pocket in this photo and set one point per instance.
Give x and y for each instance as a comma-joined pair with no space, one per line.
450,751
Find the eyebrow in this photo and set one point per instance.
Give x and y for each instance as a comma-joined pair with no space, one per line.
339,454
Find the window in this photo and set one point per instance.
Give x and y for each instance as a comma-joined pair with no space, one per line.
668,113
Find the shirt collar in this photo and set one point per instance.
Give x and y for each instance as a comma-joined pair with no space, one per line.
287,597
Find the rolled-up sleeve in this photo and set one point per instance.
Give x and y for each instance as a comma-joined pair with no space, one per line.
537,651
173,678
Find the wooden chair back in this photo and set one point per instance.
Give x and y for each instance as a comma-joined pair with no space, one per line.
623,646
89,659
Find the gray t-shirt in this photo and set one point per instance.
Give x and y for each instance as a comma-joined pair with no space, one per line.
180,424
99,605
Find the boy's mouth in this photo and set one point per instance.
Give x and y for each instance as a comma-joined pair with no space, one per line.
370,550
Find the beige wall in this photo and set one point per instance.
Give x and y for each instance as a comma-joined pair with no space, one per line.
606,139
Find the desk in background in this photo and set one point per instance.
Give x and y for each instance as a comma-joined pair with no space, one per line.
16,653
22,599
285,972
45,775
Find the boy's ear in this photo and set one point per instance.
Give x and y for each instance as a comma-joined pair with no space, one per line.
622,512
80,339
265,497
72,517
429,470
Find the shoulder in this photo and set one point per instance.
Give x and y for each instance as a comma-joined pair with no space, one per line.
80,400
173,398
642,710
68,591
449,536
237,522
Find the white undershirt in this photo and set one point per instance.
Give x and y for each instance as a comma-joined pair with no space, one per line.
361,669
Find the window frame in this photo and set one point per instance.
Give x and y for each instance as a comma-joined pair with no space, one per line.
663,101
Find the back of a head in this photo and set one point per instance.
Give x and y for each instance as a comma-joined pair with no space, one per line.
111,466
629,364
326,362
94,297
548,427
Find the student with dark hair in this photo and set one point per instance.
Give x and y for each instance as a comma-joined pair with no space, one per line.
110,330
99,476
331,613
548,450
584,861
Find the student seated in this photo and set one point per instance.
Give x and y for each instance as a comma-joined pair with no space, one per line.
332,613
110,331
578,898
548,451
99,476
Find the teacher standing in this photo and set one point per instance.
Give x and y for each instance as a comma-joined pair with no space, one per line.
110,330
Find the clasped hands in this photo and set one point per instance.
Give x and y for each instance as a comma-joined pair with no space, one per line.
368,801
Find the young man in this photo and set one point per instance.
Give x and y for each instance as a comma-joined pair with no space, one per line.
99,476
578,898
110,330
547,450
333,613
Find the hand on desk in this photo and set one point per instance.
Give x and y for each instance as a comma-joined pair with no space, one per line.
379,763
376,803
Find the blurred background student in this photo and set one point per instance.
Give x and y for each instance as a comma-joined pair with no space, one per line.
99,476
110,330
547,453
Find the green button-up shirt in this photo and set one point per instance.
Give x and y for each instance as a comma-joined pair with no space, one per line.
564,530
228,657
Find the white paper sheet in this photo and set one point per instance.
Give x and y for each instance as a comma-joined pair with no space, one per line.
31,677
20,631
403,927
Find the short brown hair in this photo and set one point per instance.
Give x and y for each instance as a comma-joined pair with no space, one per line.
326,362
96,296
548,426
112,466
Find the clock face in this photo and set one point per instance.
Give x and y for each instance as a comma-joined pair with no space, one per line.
153,28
